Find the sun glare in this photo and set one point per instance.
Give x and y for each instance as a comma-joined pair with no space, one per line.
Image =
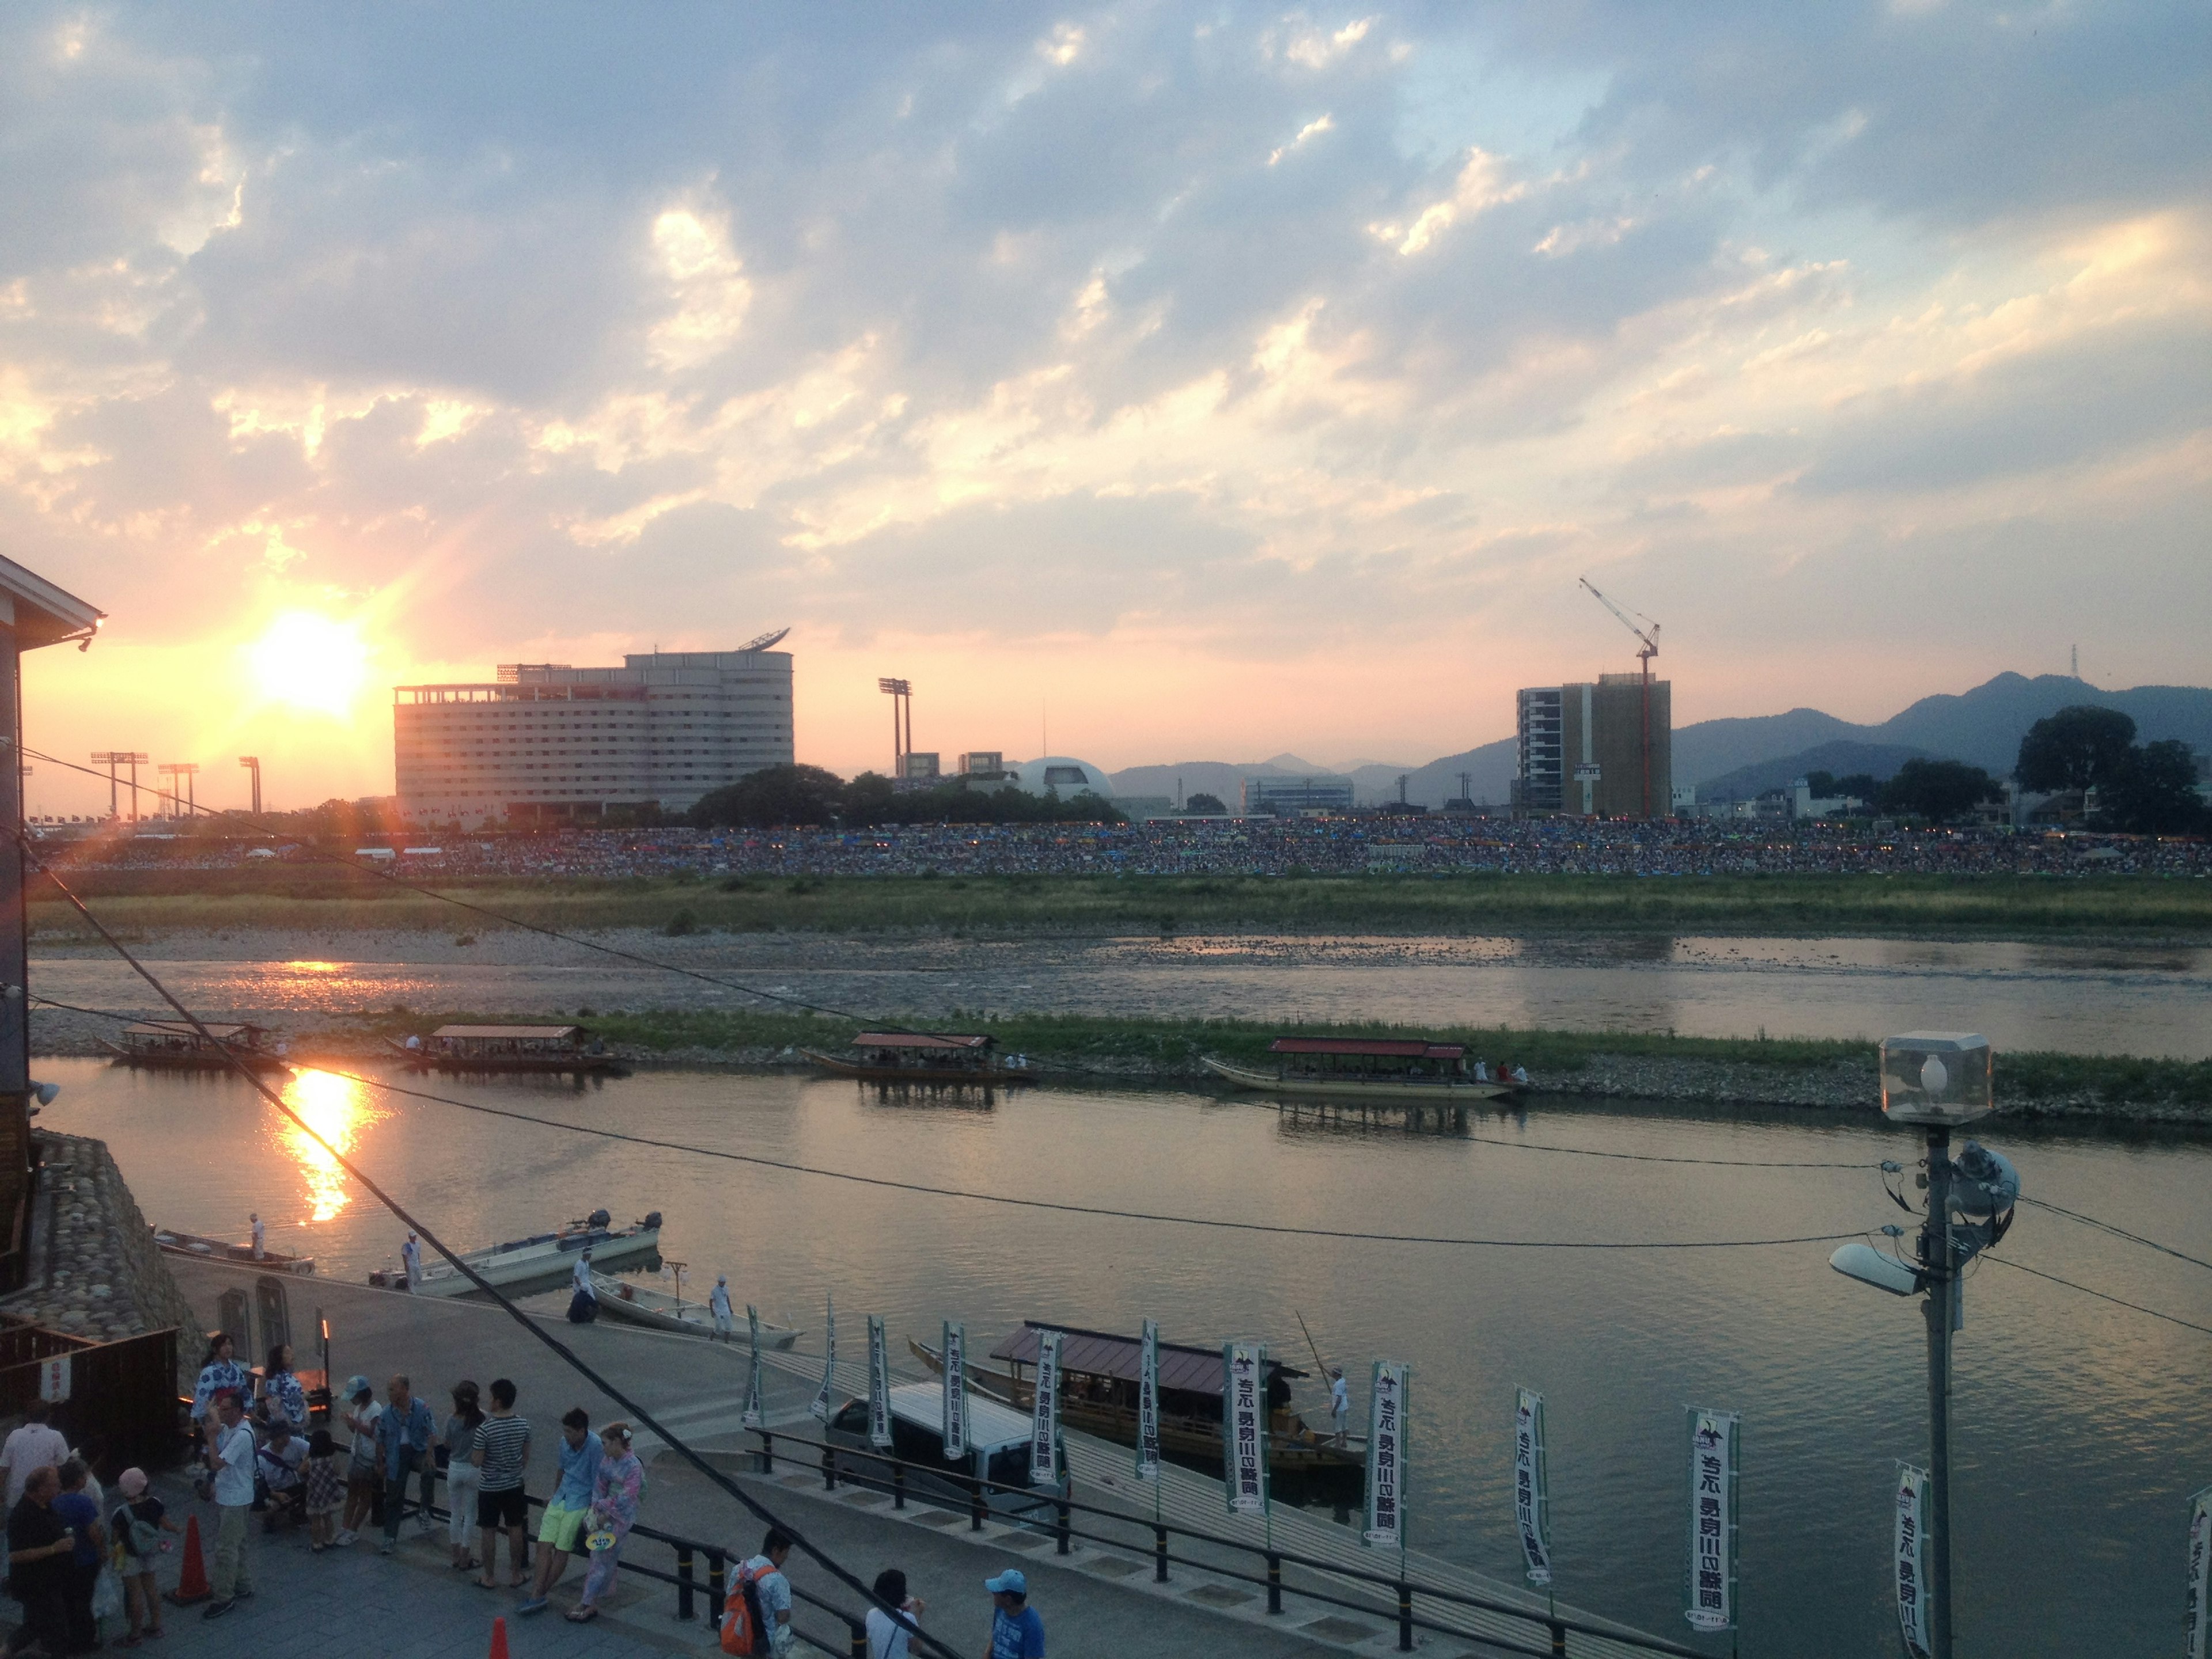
337,1109
307,661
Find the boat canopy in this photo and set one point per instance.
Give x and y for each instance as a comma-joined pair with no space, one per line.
1378,1047
1097,1353
549,1036
921,1040
221,1033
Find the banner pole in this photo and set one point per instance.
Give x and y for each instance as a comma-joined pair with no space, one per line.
1936,1258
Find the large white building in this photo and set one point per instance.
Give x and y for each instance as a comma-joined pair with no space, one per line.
546,741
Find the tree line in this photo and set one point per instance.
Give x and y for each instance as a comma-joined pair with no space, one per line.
812,794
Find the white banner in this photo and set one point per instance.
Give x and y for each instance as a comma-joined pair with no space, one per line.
1244,1423
879,1386
1044,1413
752,1415
822,1407
1532,1485
1911,1556
955,1425
1148,1404
1711,1599
1386,1455
54,1376
2200,1572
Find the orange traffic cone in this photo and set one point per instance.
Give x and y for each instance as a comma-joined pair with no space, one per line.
498,1640
192,1582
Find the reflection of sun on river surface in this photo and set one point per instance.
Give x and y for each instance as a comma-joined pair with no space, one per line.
337,1108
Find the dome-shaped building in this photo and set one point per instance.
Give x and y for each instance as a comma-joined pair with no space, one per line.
1060,775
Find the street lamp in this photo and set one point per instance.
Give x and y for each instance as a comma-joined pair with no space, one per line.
1939,1081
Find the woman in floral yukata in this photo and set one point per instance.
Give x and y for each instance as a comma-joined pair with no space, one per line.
615,1493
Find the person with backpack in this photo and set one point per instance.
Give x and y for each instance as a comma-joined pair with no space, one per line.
138,1523
757,1619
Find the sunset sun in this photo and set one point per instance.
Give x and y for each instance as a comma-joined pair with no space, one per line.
310,662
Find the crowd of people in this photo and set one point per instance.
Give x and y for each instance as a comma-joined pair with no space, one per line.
1433,843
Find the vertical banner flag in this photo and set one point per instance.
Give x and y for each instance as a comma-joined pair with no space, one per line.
1386,1455
1244,1368
822,1407
1912,1553
956,1392
1713,1443
752,1415
2200,1572
1532,1486
1044,1417
1148,1404
879,1386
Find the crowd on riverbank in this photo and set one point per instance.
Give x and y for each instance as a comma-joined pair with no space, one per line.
1239,846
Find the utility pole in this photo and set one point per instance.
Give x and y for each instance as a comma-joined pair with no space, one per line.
1938,1306
901,692
253,763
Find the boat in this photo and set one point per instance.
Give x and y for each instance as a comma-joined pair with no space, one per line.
932,1059
1376,1068
562,1048
540,1257
221,1249
643,1304
173,1045
1098,1396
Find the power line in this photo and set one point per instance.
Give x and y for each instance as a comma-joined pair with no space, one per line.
2117,1232
568,1354
2101,1295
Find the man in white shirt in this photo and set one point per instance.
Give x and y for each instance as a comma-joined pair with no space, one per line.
580,1275
410,1256
718,1304
1339,1403
260,1236
233,1460
37,1445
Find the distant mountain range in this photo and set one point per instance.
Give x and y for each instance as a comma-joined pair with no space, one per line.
1735,759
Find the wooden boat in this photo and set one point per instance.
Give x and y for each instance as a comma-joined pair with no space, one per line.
644,1305
171,1045
541,1256
221,1249
1374,1068
932,1059
1099,1396
562,1048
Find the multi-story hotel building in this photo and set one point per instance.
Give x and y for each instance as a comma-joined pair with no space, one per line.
548,741
1582,749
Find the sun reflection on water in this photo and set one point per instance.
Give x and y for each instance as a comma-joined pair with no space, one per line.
338,1110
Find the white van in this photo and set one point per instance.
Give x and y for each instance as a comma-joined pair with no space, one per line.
998,1449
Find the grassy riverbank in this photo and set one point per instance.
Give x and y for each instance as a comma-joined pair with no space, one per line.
323,897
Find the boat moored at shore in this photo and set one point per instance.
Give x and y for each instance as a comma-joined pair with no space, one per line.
174,1046
556,1048
541,1256
222,1250
932,1059
661,1311
1379,1068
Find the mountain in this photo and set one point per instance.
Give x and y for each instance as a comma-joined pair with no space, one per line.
1842,758
1983,727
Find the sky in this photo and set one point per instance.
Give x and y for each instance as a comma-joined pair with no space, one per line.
1153,382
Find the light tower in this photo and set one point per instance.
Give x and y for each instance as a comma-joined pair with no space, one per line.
901,692
111,758
253,763
187,802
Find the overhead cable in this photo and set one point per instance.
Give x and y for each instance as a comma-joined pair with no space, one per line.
2101,1295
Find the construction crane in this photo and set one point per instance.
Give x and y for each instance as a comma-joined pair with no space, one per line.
1648,649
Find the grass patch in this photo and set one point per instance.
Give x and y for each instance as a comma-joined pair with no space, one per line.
332,897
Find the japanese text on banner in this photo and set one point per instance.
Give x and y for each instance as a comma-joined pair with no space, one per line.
1713,1520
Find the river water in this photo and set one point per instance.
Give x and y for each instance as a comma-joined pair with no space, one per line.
2081,1427
2082,997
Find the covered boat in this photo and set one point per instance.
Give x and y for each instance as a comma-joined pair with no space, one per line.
927,1057
541,1256
173,1045
646,1305
1381,1068
1099,1373
508,1049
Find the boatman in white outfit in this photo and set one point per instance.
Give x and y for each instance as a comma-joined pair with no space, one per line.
410,1257
580,1276
1339,1403
718,1304
260,1236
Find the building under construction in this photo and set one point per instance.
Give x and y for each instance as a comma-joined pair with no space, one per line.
546,741
1582,749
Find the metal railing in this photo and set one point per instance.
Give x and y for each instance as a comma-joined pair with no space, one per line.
1552,1629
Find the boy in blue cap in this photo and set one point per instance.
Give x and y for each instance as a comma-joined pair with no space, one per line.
1016,1632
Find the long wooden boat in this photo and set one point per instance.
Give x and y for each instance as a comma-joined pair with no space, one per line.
541,1255
1370,1068
931,1059
221,1249
545,1048
1098,1396
643,1304
174,1046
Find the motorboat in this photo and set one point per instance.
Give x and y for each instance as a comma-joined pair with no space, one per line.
541,1256
646,1305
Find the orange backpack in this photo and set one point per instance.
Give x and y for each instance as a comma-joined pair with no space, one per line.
745,1630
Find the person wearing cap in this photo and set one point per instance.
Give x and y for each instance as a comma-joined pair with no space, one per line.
410,1256
361,1413
260,1237
718,1304
1339,1405
136,1524
1016,1632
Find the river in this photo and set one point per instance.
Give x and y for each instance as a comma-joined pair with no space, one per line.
2080,1426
